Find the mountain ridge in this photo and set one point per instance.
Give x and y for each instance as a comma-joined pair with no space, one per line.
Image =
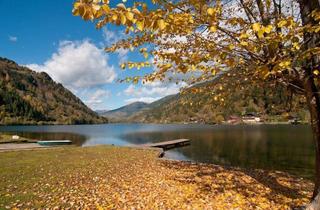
29,97
206,106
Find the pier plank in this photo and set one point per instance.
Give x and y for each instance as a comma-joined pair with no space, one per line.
169,144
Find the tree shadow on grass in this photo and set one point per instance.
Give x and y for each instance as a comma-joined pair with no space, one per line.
213,179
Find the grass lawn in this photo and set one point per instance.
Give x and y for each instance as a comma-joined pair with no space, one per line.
107,177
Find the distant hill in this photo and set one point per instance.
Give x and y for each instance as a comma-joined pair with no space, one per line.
124,112
101,111
29,97
129,112
203,106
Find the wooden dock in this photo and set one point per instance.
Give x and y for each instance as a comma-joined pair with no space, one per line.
166,145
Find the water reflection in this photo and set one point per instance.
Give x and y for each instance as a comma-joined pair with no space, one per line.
76,139
280,147
287,148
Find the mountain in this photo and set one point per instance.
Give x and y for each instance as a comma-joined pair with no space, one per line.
127,113
124,112
101,111
208,105
29,97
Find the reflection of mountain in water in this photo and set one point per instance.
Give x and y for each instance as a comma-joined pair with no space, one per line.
255,147
76,139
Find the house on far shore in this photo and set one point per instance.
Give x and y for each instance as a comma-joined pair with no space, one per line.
251,118
234,120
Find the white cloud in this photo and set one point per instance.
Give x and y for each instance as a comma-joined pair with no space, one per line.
122,55
78,65
111,37
13,38
142,99
152,91
96,100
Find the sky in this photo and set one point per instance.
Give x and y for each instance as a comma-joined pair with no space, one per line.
44,36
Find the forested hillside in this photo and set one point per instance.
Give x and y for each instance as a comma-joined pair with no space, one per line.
211,107
205,103
28,97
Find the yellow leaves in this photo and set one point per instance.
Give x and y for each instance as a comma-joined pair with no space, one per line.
76,8
316,72
140,25
166,67
285,64
105,8
289,23
231,46
114,17
145,55
143,49
296,45
315,14
213,29
282,23
230,62
268,29
108,179
136,11
244,36
123,65
256,27
174,36
244,43
123,19
211,11
83,10
99,207
144,52
129,15
121,6
260,30
161,24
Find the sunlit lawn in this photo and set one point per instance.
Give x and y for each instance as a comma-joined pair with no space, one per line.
114,177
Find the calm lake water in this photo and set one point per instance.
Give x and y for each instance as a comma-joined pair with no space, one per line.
278,147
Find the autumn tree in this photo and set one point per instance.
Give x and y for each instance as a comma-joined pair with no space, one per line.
239,42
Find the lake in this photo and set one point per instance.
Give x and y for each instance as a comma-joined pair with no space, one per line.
278,147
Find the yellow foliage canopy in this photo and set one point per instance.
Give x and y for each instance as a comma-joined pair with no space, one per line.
204,39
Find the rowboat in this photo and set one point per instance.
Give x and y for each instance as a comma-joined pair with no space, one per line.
54,142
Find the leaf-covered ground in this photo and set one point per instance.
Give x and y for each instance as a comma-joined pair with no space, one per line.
121,178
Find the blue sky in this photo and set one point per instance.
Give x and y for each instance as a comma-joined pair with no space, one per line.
45,36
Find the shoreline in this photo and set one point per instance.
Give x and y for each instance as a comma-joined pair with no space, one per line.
158,123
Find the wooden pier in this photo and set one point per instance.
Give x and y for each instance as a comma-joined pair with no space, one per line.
166,145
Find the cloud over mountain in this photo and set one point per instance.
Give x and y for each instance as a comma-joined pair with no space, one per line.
78,64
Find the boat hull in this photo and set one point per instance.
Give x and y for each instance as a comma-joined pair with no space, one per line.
54,143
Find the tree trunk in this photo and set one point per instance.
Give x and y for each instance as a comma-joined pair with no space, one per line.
311,88
313,100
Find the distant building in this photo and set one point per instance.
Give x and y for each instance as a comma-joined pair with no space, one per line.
294,120
15,137
251,118
234,120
